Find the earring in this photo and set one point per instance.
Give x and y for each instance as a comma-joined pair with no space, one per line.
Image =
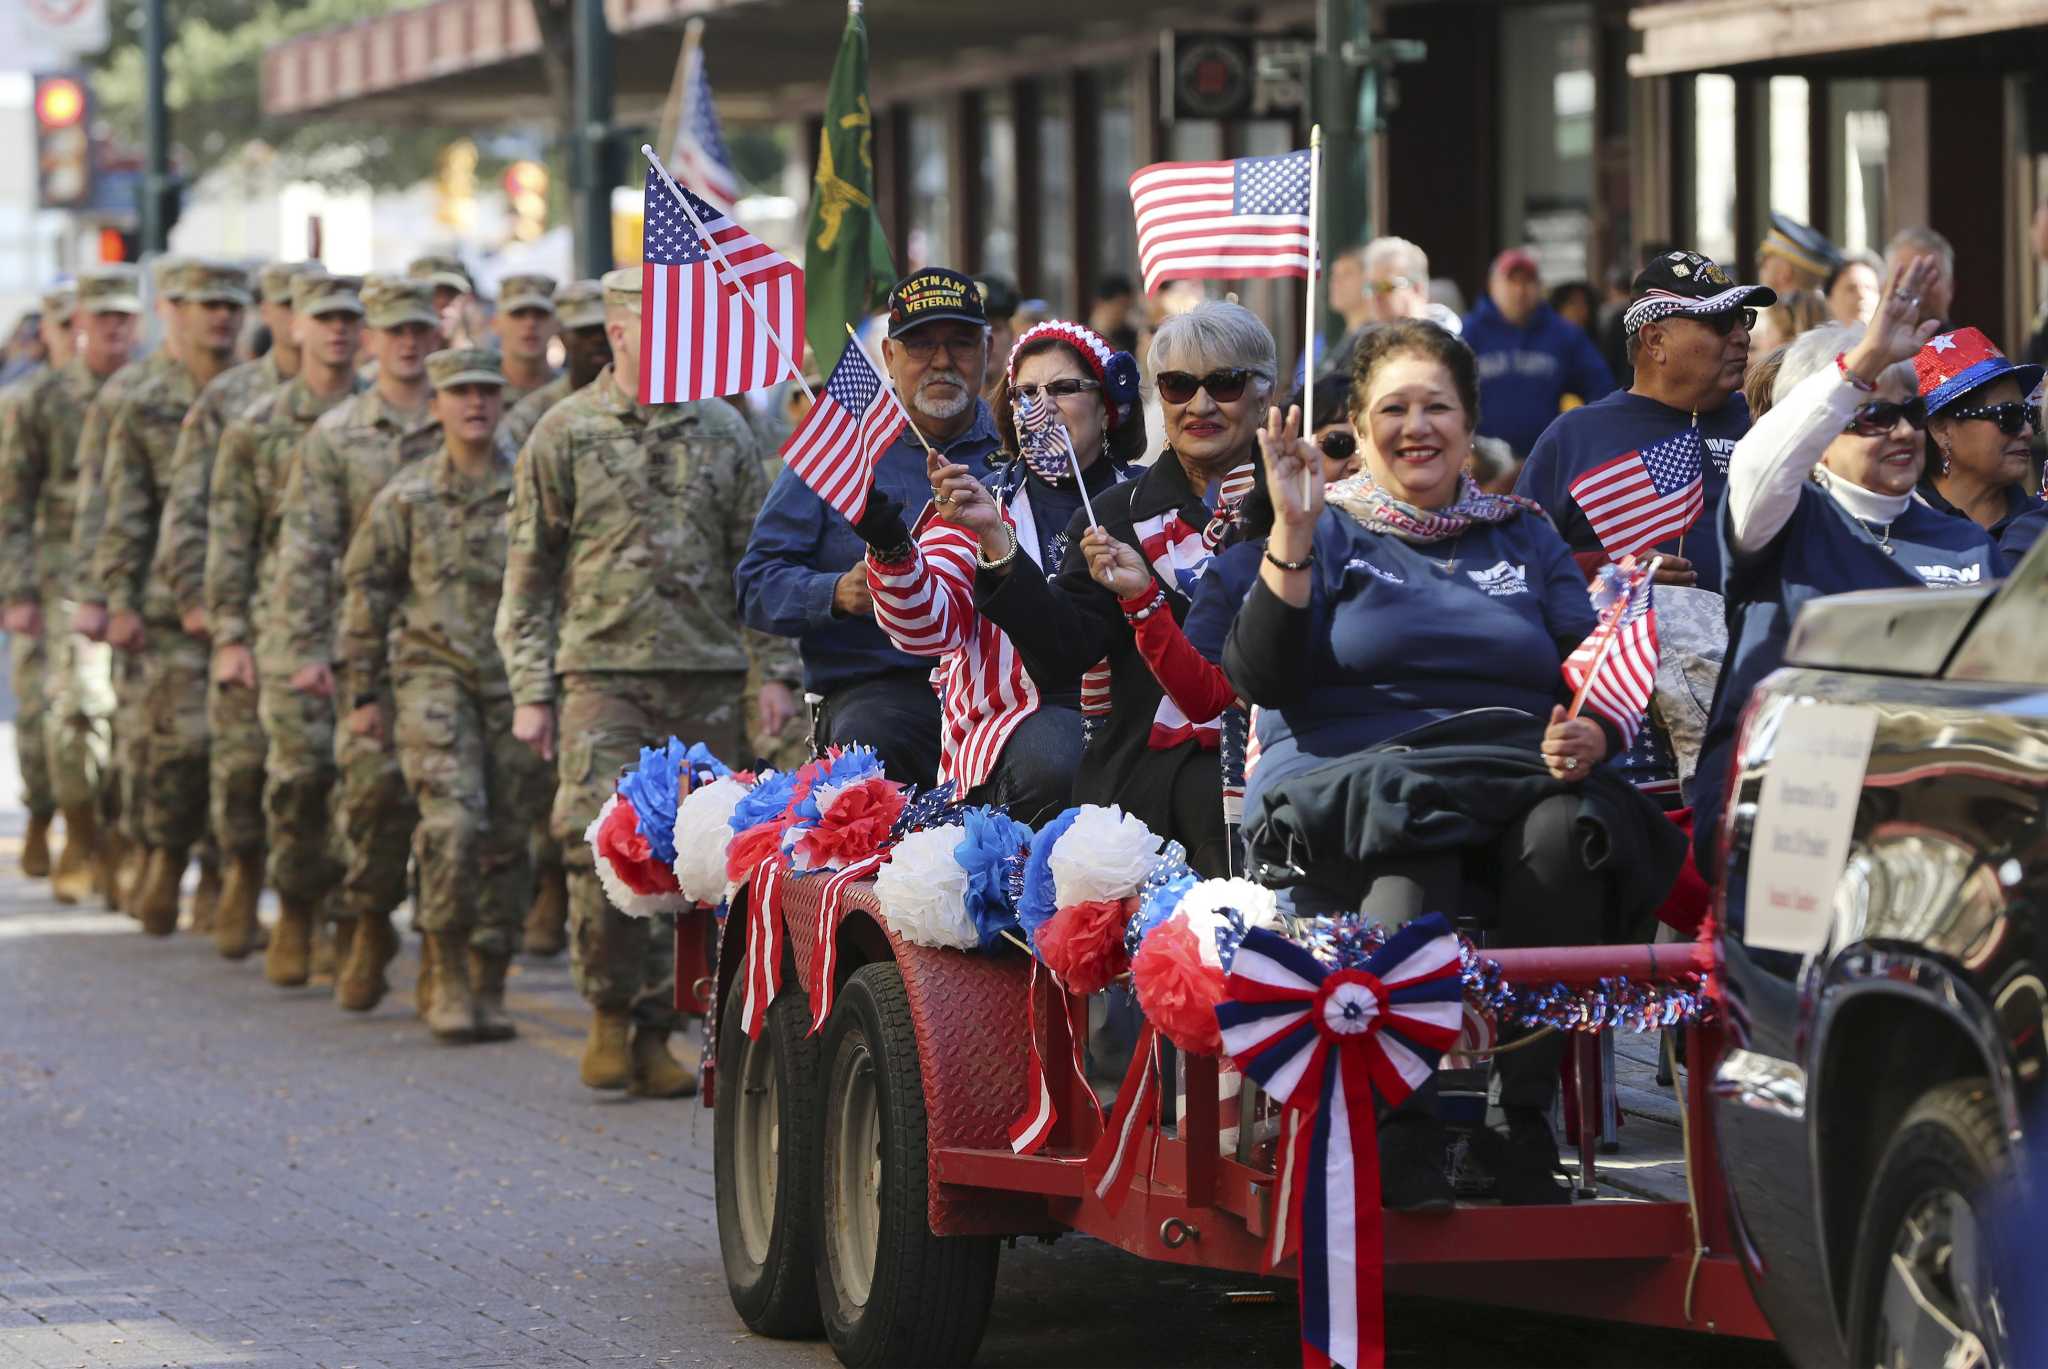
1105,444
1944,461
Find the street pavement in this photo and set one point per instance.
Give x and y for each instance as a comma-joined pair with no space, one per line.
198,1169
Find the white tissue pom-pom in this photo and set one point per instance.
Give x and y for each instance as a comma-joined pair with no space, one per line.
703,831
923,891
1105,854
623,898
1203,907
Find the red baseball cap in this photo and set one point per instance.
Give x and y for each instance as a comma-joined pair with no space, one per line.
1513,260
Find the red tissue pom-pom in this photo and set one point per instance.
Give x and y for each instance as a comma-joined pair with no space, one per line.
750,848
1177,989
1083,943
619,841
856,827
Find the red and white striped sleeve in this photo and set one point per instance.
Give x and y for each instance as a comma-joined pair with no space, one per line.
926,604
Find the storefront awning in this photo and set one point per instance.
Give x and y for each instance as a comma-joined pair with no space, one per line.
1875,37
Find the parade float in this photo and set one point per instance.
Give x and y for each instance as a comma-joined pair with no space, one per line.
898,988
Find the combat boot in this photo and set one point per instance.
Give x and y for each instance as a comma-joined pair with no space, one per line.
206,898
361,986
548,919
453,1014
656,1073
74,881
487,979
236,932
607,1064
156,895
423,987
109,859
35,847
289,961
128,879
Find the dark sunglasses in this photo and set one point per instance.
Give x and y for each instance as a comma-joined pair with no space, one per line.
2012,417
1338,445
1057,389
1878,417
1724,322
1178,387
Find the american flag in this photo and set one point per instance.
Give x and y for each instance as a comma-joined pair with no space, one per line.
698,338
1040,425
835,448
699,155
1223,220
1645,496
1614,671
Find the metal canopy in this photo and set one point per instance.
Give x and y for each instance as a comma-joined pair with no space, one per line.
1839,37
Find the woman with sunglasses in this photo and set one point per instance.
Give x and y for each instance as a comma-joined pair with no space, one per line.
1214,368
1066,406
1820,501
1981,427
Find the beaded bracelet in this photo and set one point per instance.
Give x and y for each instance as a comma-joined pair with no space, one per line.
1303,564
1842,365
1151,606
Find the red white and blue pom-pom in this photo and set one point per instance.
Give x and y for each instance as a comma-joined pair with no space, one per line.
847,814
637,882
1081,886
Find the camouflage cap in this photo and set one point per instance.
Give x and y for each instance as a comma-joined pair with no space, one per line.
315,292
164,274
275,280
60,301
211,282
580,304
389,301
622,288
465,366
438,269
526,291
115,289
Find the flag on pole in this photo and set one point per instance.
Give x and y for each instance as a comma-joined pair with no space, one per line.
1614,671
720,310
698,154
835,448
1223,220
1646,495
847,267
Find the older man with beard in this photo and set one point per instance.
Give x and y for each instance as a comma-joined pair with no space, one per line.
804,574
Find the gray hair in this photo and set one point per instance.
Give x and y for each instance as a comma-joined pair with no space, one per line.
1215,335
1404,256
1817,348
1919,241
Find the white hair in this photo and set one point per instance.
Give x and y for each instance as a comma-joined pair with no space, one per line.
1215,335
1403,256
1921,241
1817,348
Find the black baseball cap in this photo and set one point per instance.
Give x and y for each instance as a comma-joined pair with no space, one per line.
930,295
1687,283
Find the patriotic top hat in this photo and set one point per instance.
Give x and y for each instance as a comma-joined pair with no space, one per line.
1953,364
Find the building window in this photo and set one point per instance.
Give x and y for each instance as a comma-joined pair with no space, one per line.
931,200
1862,137
1546,114
1055,207
1116,235
1713,123
998,163
1791,188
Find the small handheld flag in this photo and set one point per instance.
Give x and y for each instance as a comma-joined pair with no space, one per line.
1646,495
1614,671
1039,427
835,448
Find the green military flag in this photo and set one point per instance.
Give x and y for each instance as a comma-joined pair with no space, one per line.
847,267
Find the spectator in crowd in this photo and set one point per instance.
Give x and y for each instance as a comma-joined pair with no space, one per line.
1574,303
1980,429
1792,315
1851,289
1111,312
1820,501
805,572
1912,244
1529,358
1394,284
1000,300
1794,257
1613,311
1763,376
1329,419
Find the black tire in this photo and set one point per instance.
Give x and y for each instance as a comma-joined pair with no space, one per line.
769,1260
927,1297
1944,1165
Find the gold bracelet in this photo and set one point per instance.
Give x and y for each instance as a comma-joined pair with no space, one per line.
1003,564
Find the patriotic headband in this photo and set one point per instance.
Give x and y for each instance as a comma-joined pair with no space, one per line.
1116,372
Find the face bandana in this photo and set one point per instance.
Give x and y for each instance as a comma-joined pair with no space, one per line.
1043,440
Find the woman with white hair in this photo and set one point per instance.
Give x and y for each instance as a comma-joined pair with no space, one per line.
1820,501
1214,368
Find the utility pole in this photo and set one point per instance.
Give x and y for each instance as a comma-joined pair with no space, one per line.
594,155
158,189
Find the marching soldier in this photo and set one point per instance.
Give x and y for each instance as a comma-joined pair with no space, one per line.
618,624
524,322
423,578
244,506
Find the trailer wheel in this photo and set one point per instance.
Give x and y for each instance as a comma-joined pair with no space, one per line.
1925,1285
764,1147
892,1293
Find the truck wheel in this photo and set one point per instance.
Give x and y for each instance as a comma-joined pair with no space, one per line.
1925,1284
892,1293
764,1147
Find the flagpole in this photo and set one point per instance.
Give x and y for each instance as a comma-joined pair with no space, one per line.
795,364
672,107
1607,643
1308,332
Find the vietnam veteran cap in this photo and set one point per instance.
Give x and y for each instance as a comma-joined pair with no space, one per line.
439,269
932,294
580,304
316,292
622,288
275,280
526,292
1690,284
60,301
115,289
464,366
389,301
213,282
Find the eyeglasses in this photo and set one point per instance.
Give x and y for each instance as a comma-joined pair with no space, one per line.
1724,322
1178,387
1063,388
1338,445
963,350
1879,416
2012,417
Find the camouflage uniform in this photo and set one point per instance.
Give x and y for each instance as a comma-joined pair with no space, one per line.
341,465
423,576
627,521
521,418
526,291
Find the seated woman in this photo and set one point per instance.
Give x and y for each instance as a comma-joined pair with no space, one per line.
1402,634
1982,430
1214,367
1820,501
1006,736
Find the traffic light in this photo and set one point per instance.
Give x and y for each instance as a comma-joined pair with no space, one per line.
526,192
63,109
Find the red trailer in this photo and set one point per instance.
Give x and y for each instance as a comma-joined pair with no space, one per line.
865,1174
